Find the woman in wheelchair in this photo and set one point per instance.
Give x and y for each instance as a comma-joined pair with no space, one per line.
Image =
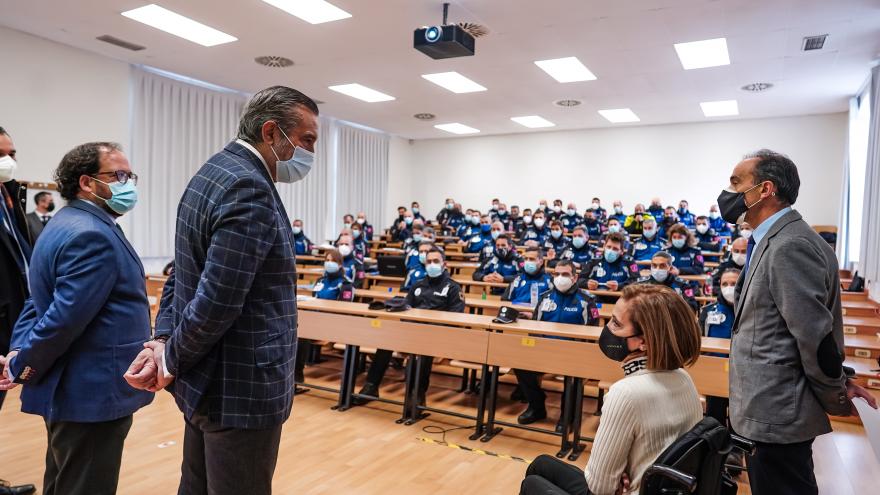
654,334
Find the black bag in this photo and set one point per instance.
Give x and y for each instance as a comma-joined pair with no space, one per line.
857,284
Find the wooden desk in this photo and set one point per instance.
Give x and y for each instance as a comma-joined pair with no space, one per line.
862,325
860,308
702,279
862,346
462,268
712,254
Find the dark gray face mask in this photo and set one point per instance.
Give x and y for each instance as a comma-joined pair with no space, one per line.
614,347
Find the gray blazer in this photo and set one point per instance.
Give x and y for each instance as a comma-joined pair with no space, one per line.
35,224
788,329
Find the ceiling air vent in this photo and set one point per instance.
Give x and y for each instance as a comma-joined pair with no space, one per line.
274,61
120,43
567,103
474,29
424,116
814,42
757,87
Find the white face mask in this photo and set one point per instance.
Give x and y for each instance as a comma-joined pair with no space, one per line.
595,205
7,168
745,233
728,293
527,219
539,222
659,274
557,208
344,250
296,167
562,283
702,228
738,258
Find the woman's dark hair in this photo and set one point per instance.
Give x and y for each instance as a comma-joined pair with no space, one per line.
85,159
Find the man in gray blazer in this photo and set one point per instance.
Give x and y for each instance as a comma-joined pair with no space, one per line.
38,218
786,354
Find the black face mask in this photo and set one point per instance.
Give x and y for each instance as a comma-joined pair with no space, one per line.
733,204
51,207
612,346
503,253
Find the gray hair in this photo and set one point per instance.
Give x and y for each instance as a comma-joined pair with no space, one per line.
663,254
276,103
778,169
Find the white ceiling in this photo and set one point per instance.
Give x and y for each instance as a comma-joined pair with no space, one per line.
627,44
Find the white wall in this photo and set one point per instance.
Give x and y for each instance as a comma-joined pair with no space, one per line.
690,161
400,180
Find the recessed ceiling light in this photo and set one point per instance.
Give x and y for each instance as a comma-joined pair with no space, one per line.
533,121
564,70
701,54
723,108
178,25
619,115
311,11
361,92
456,128
455,82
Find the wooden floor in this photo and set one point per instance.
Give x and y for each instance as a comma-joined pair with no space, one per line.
362,451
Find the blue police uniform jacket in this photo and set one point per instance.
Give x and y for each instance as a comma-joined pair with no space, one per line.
465,231
302,243
571,221
716,320
334,286
644,249
688,260
687,218
478,241
719,226
413,276
576,307
520,290
535,234
557,245
682,287
707,241
622,271
582,255
594,230
354,269
621,217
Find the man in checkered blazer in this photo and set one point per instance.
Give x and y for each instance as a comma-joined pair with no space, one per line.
226,329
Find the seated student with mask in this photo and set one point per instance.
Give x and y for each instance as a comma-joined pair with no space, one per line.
465,230
716,222
489,248
661,274
403,230
501,266
437,291
656,210
612,227
687,257
503,215
579,251
453,221
618,212
416,236
302,243
514,220
444,214
524,225
556,212
531,283
743,230
395,225
633,223
614,270
564,303
707,239
716,320
684,215
557,242
353,267
654,335
482,238
538,231
333,286
493,209
347,221
415,266
594,227
736,259
600,212
650,242
417,211
361,246
542,206
571,219
365,225
669,219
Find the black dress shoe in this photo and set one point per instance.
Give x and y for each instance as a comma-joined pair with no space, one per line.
368,389
6,489
531,415
517,395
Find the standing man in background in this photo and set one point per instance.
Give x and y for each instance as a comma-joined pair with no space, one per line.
86,320
38,218
786,354
226,329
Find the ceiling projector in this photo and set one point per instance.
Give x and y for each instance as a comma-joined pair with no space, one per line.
444,41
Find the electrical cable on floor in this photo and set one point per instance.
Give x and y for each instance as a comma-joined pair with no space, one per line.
439,430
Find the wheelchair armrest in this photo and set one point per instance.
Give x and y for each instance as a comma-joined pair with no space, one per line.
686,480
743,444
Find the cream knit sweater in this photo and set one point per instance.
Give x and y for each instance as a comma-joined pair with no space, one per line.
643,414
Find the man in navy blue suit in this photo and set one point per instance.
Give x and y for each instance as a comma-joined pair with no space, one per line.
87,318
226,329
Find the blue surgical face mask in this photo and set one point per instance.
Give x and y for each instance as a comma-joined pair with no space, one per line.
556,234
659,274
417,237
408,220
485,228
434,269
611,256
649,233
678,243
415,210
123,197
531,267
449,206
423,257
495,234
296,167
614,228
579,241
331,267
296,230
356,233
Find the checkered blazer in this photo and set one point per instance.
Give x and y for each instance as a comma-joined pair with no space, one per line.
229,305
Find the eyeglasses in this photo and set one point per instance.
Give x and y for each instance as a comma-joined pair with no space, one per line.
122,176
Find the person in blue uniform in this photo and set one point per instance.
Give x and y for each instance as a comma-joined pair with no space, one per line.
717,223
489,247
453,221
557,242
360,242
533,281
661,274
571,219
669,219
594,227
465,229
365,225
501,267
614,270
650,242
655,209
716,320
524,225
417,211
538,231
514,220
579,251
333,286
687,257
707,239
402,230
556,211
415,266
614,226
502,215
736,259
444,214
564,303
302,243
417,235
618,212
353,266
684,215
493,209
600,212
347,220
481,238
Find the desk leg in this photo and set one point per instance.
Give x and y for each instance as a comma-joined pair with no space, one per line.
481,403
490,428
408,389
415,415
567,393
349,372
576,446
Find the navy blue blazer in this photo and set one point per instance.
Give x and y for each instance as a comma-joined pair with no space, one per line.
86,320
229,306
